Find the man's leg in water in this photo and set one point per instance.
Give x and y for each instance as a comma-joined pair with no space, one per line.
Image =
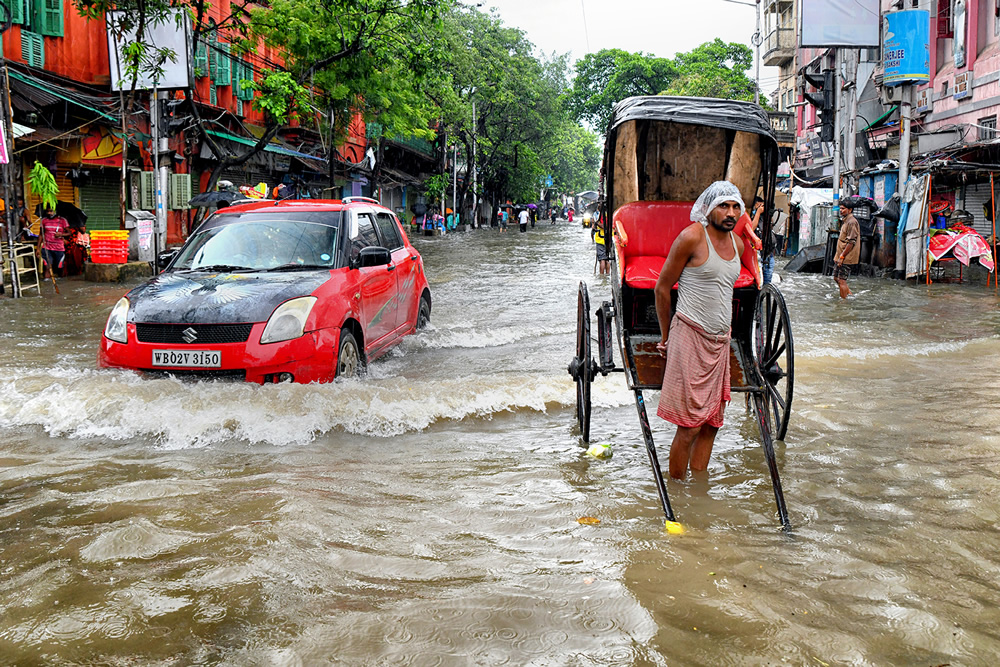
703,444
680,450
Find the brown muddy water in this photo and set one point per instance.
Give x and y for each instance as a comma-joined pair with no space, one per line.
427,515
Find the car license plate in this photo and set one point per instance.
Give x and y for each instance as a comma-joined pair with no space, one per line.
188,358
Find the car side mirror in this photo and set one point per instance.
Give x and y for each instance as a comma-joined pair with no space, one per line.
164,258
373,256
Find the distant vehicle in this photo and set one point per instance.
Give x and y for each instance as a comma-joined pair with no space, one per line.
287,291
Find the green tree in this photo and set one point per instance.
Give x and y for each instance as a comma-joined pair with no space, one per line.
714,69
610,75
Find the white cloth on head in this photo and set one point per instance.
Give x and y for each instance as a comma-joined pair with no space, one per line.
715,194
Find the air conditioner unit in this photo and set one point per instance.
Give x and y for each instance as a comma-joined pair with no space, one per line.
891,94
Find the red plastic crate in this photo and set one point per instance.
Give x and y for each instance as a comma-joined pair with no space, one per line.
99,256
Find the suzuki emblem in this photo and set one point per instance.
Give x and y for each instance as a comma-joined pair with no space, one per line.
189,335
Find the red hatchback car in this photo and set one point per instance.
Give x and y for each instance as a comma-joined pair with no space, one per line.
287,291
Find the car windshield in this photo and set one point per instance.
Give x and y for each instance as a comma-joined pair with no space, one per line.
257,242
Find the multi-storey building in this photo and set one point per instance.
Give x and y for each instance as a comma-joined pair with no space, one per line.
71,121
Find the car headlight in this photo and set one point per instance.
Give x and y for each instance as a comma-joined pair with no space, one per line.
288,320
117,327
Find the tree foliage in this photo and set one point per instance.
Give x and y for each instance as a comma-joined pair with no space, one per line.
521,125
610,75
714,69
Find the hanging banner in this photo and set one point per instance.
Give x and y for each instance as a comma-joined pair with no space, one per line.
101,147
4,153
906,52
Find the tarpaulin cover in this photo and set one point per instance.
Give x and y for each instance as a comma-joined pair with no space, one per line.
727,114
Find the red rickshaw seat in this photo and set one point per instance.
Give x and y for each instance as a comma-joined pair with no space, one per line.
643,234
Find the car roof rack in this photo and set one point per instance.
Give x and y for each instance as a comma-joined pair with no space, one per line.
351,200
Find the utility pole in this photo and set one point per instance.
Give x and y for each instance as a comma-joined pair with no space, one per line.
10,212
454,180
154,121
836,134
475,195
757,39
851,159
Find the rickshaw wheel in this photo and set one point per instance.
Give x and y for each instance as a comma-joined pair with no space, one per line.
581,368
774,357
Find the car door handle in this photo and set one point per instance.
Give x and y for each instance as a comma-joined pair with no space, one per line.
390,267
414,258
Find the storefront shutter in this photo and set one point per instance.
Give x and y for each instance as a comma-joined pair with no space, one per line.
180,191
99,200
50,17
975,196
32,49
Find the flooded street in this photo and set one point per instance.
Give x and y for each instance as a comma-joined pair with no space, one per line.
427,515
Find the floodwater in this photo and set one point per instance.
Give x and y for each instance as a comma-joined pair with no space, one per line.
428,515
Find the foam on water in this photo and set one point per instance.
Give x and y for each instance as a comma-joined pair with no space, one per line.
121,406
903,350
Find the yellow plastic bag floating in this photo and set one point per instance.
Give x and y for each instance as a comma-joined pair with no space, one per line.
588,520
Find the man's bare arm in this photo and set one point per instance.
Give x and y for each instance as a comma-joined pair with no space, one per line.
680,254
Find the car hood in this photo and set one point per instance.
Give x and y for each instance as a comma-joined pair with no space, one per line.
177,297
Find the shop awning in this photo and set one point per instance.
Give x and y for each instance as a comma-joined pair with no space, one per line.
46,93
270,147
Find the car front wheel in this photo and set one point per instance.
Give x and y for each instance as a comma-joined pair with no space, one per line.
424,314
350,363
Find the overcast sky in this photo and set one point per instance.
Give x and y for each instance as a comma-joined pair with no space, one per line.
660,27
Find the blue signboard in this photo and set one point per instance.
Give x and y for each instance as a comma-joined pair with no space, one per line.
906,47
548,181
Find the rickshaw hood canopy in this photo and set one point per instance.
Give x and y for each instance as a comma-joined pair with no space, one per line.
727,114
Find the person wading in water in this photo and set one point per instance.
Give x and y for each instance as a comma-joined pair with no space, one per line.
705,262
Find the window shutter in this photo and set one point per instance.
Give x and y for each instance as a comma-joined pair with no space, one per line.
242,78
50,17
213,97
223,66
944,30
201,58
16,10
180,191
239,108
147,191
32,49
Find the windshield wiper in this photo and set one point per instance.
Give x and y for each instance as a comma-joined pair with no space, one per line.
291,266
222,268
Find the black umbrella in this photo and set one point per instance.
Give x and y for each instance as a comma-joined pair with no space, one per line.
207,198
74,216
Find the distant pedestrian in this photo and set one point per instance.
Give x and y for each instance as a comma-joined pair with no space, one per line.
552,214
569,214
779,223
523,218
848,250
54,230
597,233
503,220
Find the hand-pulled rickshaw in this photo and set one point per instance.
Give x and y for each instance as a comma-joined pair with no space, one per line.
660,154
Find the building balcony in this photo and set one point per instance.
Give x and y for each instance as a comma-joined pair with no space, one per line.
783,126
779,47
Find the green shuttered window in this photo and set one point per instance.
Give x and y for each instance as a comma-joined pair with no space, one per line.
16,10
33,48
223,66
180,191
49,17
